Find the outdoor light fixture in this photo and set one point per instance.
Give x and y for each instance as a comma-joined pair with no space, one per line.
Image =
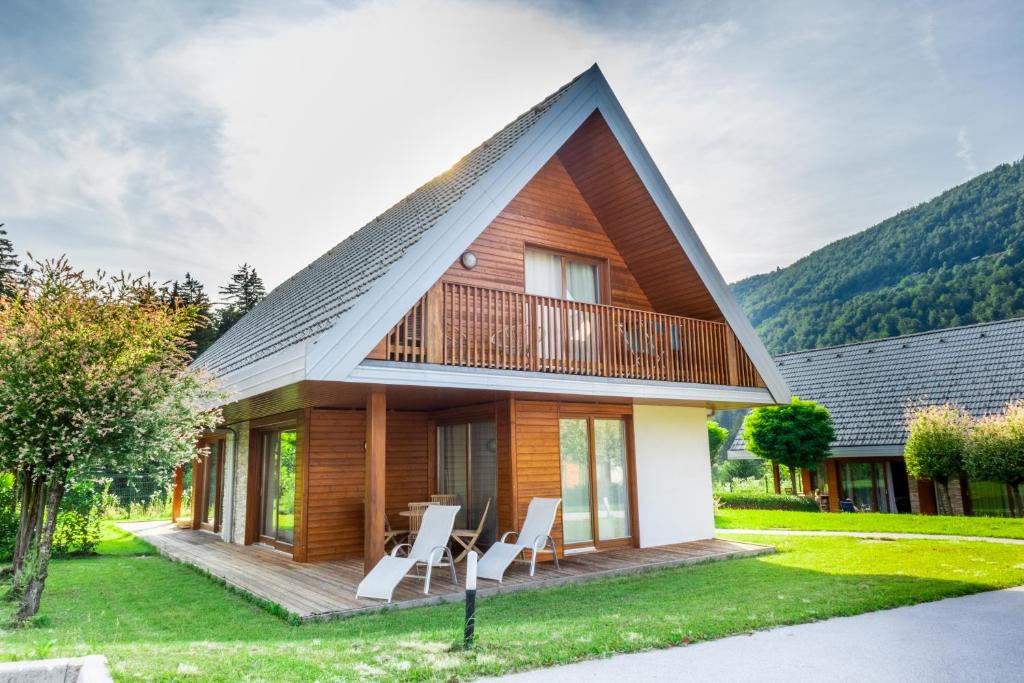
468,260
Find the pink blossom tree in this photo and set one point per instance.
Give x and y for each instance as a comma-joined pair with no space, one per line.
93,375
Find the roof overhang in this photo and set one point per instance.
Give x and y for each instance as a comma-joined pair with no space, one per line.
338,352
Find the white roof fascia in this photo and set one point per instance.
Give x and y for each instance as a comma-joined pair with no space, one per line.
446,376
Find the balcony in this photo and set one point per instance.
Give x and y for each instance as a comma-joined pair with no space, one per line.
468,326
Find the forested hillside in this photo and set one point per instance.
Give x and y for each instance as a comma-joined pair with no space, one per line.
955,260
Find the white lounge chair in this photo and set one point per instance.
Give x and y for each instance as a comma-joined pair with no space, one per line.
429,548
535,537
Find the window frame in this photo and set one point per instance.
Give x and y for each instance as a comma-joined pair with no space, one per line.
603,281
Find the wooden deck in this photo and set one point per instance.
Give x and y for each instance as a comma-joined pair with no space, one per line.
327,589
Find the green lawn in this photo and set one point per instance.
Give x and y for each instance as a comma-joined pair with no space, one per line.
157,620
1000,527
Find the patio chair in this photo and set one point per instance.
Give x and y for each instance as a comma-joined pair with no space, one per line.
847,506
430,548
467,538
392,535
535,537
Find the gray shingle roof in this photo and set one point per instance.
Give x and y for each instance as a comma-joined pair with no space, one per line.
868,386
308,303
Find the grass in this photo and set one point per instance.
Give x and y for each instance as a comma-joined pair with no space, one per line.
998,527
160,621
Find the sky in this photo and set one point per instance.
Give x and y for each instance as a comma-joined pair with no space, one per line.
172,137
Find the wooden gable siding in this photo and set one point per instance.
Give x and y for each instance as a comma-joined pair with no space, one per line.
549,212
617,197
337,477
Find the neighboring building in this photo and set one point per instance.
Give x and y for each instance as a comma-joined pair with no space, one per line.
868,387
539,320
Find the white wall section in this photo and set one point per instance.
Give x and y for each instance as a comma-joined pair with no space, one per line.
673,474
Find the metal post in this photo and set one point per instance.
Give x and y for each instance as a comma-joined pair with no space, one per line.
470,625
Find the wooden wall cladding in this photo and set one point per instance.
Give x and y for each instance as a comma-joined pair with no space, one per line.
537,461
337,463
407,464
549,212
617,196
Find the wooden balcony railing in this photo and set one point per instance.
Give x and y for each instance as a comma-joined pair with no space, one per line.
469,326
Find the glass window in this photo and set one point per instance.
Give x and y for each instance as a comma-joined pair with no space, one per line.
989,499
211,471
277,513
467,464
581,281
562,277
577,525
610,465
543,273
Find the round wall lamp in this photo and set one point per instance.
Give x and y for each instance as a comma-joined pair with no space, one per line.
468,260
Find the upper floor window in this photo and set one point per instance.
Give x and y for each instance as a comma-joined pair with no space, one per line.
561,276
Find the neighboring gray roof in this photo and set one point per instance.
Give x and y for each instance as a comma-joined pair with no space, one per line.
868,386
308,303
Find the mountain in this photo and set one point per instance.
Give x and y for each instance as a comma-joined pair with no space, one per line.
954,260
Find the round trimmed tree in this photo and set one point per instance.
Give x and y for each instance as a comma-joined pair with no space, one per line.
797,434
935,444
93,376
995,451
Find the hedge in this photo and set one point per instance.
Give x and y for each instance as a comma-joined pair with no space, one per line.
743,500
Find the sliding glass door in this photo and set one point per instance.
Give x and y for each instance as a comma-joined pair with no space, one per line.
208,507
277,491
595,488
467,466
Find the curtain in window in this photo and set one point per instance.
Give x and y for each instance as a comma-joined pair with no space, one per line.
581,282
543,273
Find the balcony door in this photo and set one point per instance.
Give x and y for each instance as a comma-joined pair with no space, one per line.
564,332
467,466
277,488
595,481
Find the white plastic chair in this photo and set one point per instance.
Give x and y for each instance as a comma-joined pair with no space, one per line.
535,537
429,548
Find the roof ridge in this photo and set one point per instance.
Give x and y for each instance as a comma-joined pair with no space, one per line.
865,342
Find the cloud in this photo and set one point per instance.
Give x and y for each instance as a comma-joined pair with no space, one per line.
196,140
964,151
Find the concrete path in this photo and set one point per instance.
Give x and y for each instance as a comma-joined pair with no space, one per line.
974,638
870,534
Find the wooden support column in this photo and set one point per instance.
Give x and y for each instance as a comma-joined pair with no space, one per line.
376,429
834,489
805,476
179,476
198,486
433,335
775,477
731,357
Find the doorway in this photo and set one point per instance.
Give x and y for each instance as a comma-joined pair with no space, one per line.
595,481
210,479
467,466
277,488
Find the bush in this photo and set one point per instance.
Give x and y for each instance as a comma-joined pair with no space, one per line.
78,522
766,501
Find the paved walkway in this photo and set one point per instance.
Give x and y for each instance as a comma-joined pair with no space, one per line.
870,534
974,638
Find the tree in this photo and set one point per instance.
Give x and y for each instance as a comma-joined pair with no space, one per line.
93,376
716,437
9,266
994,451
191,293
243,291
797,434
935,444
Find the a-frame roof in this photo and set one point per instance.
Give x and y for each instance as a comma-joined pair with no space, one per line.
321,323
